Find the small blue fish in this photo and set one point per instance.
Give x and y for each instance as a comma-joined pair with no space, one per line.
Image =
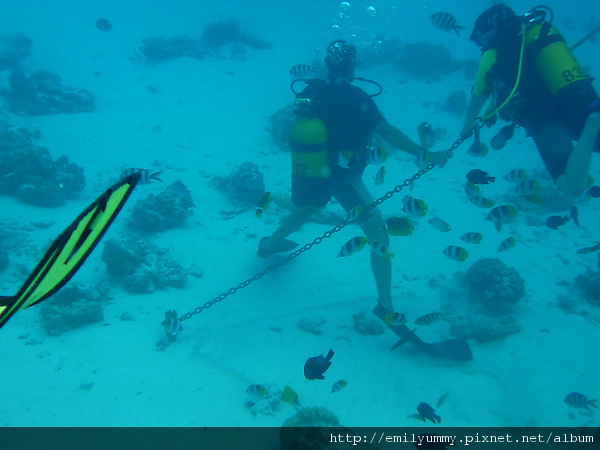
579,401
146,177
428,413
179,188
315,367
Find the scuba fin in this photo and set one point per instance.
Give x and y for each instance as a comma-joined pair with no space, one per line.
454,349
504,135
69,250
285,245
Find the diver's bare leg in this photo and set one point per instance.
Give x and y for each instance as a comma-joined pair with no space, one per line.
576,177
380,265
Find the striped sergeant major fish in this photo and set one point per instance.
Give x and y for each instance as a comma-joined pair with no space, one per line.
445,21
146,177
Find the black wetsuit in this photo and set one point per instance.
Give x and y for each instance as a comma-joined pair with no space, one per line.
350,117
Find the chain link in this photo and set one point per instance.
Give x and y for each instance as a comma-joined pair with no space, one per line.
316,241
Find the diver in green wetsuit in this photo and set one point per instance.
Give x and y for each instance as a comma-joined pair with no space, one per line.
534,81
329,143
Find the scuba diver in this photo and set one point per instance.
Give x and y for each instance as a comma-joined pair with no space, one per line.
535,82
330,150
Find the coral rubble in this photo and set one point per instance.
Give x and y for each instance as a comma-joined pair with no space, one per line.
141,266
72,307
494,286
169,209
28,172
228,31
244,187
308,429
160,48
13,49
43,93
483,329
589,285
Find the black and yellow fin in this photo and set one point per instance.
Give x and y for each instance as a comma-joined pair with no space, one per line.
69,250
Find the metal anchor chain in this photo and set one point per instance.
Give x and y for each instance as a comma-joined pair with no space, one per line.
310,245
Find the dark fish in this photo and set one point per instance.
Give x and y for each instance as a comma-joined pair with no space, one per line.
428,413
574,212
594,191
445,21
555,222
585,250
442,400
477,176
179,188
580,401
103,25
146,176
428,441
315,367
172,324
302,70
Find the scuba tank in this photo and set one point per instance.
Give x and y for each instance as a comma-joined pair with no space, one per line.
308,139
551,56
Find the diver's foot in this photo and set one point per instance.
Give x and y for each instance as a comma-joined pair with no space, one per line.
264,250
394,320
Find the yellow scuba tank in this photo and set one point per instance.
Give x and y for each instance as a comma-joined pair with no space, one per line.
552,58
308,139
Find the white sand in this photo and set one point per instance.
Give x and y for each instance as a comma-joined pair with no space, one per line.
212,116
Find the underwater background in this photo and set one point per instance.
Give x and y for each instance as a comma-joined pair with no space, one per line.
199,92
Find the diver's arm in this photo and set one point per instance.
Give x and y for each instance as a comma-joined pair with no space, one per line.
576,177
475,105
397,138
401,141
